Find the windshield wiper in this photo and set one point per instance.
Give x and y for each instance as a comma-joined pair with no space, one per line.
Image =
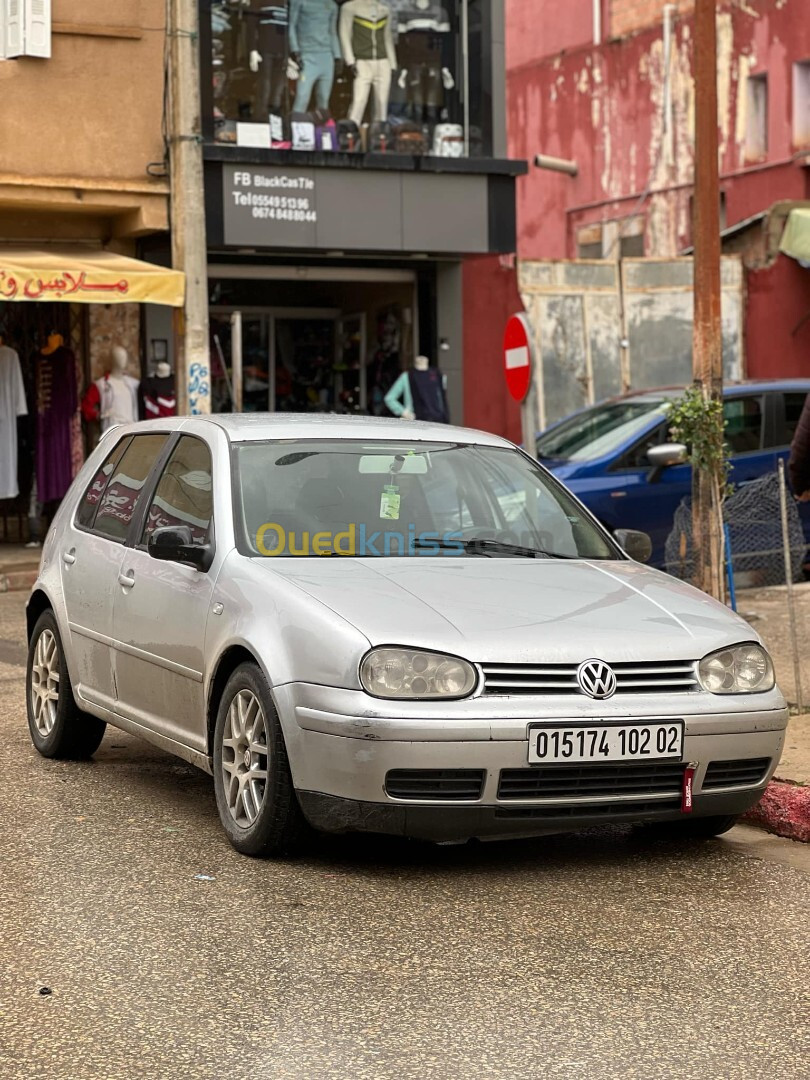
458,546
513,549
488,547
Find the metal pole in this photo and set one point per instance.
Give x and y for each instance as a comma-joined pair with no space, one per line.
465,64
794,641
707,357
189,251
528,421
732,591
236,361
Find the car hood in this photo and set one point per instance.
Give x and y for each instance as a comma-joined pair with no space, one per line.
519,610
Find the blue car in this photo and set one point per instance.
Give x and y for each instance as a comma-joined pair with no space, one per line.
619,459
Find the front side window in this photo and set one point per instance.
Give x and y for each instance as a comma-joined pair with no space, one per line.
384,76
378,499
184,495
120,499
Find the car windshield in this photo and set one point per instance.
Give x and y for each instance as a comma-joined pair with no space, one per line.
599,431
349,497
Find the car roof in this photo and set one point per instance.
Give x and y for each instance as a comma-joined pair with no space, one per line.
259,427
753,386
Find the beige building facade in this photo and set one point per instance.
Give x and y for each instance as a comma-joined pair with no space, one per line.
82,177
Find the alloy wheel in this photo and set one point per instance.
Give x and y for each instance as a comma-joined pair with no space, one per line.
45,683
245,758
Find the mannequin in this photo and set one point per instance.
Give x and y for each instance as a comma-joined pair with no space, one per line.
314,46
56,402
113,399
156,394
367,40
419,394
424,28
268,56
12,405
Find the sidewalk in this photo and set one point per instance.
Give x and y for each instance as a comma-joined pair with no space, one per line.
18,567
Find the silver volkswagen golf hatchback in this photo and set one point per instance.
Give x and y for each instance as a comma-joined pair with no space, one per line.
373,625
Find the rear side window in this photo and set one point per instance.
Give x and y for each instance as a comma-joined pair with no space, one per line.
743,418
120,498
794,403
86,513
184,494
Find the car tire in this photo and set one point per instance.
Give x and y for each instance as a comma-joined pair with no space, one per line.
254,790
58,727
699,828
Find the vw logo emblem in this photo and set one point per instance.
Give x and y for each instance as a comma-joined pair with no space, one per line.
596,679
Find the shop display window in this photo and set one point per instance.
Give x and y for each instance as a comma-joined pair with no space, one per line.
359,76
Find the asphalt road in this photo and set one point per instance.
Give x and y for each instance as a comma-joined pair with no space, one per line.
170,956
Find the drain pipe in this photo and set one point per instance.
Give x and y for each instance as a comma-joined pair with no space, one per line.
669,133
597,22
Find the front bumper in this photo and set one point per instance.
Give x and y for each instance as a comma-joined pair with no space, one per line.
340,760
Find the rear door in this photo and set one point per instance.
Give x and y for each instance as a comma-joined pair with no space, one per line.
93,551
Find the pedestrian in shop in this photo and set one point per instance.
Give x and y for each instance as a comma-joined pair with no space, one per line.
800,456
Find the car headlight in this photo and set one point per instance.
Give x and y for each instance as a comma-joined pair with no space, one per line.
413,674
742,669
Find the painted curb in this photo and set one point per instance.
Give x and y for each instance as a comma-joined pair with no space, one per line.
18,581
784,809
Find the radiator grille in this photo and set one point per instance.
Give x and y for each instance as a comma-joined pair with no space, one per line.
742,773
677,676
582,781
446,785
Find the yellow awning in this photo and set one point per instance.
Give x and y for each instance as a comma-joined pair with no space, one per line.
796,237
77,275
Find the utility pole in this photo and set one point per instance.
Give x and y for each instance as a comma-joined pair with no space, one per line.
707,350
189,250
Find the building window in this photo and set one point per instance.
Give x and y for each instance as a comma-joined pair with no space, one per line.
620,239
801,104
25,28
756,140
589,242
400,76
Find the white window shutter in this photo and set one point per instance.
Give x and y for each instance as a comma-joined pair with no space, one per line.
38,28
14,36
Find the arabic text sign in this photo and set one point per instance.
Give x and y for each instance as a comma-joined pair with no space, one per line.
69,286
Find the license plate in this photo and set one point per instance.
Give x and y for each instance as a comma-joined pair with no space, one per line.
561,744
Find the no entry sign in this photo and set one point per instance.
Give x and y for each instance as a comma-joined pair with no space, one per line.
517,357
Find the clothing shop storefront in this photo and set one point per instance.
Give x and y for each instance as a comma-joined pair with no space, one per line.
354,157
71,365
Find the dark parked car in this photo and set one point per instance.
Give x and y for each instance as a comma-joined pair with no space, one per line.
619,459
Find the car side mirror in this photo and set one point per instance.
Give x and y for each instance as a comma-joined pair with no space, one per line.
175,543
663,457
670,453
637,545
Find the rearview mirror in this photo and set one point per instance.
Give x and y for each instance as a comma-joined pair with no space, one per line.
637,545
661,457
175,543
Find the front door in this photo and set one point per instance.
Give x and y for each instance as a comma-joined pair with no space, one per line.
161,608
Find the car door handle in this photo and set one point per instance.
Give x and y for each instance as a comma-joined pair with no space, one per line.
127,580
69,557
